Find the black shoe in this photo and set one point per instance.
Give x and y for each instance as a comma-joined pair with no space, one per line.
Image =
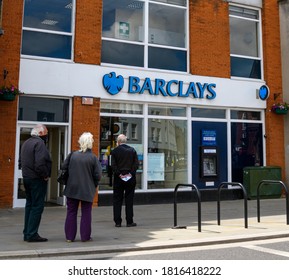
117,225
131,225
37,238
90,239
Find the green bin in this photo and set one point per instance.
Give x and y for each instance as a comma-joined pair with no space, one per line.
253,175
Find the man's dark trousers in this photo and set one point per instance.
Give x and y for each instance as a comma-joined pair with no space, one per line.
122,189
35,190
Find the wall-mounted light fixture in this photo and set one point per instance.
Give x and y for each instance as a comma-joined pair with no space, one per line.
276,95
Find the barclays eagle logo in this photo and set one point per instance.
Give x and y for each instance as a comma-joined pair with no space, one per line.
264,92
112,83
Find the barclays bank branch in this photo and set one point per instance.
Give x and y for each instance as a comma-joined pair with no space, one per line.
189,130
183,80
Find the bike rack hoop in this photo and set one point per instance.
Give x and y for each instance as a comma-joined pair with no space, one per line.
223,184
194,187
264,182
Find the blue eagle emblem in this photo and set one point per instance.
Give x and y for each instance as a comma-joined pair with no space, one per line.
112,83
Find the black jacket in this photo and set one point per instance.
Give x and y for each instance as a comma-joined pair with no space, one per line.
35,159
124,160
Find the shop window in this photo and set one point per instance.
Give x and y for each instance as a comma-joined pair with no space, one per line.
134,131
247,147
126,129
167,161
47,28
56,110
108,136
153,134
132,37
245,38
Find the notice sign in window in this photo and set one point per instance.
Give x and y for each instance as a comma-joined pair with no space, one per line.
156,167
123,30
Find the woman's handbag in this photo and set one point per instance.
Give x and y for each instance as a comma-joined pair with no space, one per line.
63,175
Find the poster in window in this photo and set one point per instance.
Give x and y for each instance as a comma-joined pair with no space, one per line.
156,167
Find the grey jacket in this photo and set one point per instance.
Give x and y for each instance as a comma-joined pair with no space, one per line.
84,174
35,160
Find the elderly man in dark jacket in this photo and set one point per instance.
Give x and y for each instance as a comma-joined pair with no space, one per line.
124,163
35,162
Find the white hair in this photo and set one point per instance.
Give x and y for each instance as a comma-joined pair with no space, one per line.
37,129
85,141
121,139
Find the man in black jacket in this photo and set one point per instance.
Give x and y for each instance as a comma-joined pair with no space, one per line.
35,162
124,163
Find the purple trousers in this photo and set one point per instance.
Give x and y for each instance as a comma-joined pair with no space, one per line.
70,226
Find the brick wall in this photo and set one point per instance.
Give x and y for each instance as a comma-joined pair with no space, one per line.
209,56
88,32
9,60
273,77
209,38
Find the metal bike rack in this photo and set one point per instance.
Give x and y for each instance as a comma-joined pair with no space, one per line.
264,182
223,184
175,205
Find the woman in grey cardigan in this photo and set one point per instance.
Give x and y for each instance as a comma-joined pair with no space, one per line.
84,171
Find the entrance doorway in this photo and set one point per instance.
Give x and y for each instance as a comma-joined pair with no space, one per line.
58,148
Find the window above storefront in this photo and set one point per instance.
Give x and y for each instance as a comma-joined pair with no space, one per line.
245,42
145,33
47,28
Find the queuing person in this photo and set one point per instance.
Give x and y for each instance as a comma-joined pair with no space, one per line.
84,171
124,163
35,162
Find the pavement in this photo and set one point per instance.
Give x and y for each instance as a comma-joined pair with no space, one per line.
156,229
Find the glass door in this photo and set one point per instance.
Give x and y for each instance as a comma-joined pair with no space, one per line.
58,148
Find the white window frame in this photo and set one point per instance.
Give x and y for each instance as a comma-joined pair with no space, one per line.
71,34
260,42
146,44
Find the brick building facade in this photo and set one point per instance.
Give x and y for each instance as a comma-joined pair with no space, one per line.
209,58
